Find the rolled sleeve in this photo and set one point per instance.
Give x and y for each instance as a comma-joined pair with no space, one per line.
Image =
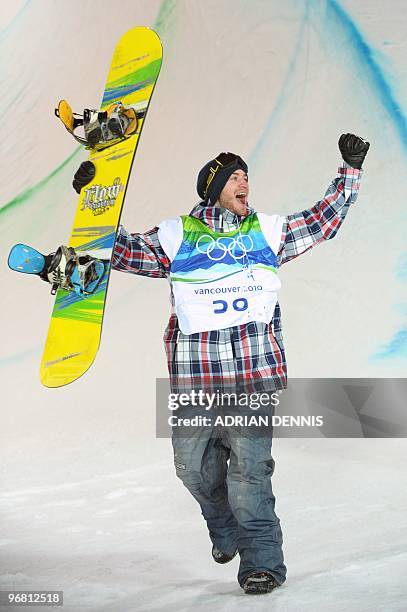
140,254
303,230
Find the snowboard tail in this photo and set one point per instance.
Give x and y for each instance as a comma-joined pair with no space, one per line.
61,367
76,322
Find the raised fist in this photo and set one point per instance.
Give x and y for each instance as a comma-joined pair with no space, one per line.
353,149
84,174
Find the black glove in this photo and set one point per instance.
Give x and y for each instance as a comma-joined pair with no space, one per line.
353,149
84,174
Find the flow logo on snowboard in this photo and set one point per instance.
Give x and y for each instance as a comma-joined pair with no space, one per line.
99,198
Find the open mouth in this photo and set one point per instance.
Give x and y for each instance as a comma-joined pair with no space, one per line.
241,195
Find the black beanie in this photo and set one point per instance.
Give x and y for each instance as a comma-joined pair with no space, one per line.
215,174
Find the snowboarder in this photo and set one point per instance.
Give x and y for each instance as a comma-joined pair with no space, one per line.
225,332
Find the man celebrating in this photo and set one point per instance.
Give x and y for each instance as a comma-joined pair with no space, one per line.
222,261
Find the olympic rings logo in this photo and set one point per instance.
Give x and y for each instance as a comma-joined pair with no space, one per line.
236,247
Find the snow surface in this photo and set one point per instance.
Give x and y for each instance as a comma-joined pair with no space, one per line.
90,503
107,522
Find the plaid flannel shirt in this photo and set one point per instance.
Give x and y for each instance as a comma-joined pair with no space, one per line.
248,357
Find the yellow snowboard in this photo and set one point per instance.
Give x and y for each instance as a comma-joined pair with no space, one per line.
76,321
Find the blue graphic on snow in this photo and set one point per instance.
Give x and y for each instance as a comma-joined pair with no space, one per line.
104,241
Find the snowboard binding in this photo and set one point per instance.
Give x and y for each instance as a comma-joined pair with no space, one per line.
102,129
63,269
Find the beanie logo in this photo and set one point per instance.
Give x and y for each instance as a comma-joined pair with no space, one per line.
212,174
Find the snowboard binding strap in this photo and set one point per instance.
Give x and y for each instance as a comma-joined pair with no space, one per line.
71,271
102,129
64,269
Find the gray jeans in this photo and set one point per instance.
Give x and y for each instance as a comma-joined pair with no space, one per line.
228,470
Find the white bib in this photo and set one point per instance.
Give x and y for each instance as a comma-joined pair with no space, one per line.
222,279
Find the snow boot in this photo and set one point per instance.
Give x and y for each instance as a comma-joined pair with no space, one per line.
259,583
221,557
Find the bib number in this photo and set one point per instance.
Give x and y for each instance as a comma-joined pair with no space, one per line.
221,306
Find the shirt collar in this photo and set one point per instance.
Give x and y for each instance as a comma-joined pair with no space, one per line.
218,218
